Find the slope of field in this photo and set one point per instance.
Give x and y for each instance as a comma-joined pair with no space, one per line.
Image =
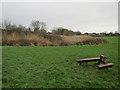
56,67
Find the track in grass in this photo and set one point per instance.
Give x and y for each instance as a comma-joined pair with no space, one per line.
56,67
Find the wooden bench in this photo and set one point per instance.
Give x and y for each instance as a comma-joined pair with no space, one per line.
88,60
105,65
101,59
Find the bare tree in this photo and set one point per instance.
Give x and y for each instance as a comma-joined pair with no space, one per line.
6,24
0,26
36,25
43,26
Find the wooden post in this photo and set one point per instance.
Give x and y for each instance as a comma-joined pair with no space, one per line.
80,63
101,56
104,60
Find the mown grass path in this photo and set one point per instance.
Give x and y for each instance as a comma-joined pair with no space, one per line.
56,67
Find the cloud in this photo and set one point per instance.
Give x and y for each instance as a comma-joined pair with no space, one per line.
83,16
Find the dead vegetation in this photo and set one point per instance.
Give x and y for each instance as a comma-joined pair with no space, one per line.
31,39
75,38
92,41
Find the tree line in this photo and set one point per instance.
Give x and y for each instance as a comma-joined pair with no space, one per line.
40,28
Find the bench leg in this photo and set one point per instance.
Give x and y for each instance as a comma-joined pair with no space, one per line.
80,63
99,62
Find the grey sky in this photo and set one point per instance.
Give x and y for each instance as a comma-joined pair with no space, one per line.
82,16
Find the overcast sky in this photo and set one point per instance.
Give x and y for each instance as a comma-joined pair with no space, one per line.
77,16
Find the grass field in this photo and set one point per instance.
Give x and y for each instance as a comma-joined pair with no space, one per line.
56,67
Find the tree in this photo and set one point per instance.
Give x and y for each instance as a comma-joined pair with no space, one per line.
59,31
43,26
103,34
0,26
110,33
78,33
43,29
21,28
6,25
116,33
63,31
86,33
39,26
36,25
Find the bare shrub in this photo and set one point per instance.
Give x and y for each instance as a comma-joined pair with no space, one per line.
32,39
53,38
75,38
21,39
93,41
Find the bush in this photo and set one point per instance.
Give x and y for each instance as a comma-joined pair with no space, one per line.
92,42
9,43
24,42
53,38
32,39
64,44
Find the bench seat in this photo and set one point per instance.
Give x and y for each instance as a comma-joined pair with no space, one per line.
105,65
88,59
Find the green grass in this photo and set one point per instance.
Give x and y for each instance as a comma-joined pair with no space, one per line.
56,67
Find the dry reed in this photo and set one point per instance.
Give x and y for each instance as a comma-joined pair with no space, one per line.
31,39
73,39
